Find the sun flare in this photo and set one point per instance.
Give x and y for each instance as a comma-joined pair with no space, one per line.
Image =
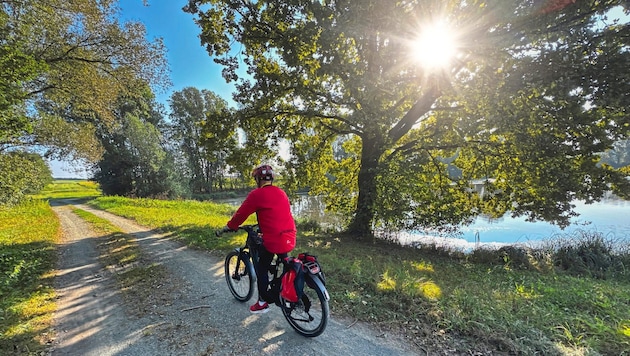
435,46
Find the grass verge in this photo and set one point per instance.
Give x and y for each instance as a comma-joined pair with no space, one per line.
28,234
69,188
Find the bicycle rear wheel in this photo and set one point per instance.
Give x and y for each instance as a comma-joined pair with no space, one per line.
238,277
309,316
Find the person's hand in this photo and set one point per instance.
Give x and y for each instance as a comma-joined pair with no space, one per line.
222,231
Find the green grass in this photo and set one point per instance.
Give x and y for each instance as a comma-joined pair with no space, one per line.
68,188
191,221
28,234
428,293
28,237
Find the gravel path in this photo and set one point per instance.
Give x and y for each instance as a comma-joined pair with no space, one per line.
195,315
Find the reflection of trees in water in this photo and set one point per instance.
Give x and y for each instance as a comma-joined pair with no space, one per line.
608,200
306,207
313,208
619,156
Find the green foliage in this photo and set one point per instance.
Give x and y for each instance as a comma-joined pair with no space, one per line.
21,173
535,93
28,233
203,133
421,184
16,67
136,162
68,63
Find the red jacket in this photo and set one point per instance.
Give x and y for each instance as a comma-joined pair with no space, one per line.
273,211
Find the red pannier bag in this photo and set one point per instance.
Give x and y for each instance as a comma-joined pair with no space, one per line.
293,281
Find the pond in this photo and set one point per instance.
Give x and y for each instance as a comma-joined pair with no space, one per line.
609,217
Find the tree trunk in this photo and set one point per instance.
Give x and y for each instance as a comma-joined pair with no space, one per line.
361,224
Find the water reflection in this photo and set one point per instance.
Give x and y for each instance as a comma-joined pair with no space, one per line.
305,207
610,217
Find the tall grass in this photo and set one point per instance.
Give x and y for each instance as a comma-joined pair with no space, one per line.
28,234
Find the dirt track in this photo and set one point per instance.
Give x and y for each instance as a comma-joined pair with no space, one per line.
92,318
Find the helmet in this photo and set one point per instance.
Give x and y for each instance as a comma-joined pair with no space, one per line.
264,172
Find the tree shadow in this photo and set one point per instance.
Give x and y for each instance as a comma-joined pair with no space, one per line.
26,295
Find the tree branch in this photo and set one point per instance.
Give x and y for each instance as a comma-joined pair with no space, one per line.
420,108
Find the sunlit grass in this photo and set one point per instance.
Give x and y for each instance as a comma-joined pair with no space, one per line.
66,189
387,283
28,234
191,221
429,290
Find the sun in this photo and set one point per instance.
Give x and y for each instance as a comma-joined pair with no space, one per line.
435,47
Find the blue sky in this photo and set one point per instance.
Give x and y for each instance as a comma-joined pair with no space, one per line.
190,65
189,62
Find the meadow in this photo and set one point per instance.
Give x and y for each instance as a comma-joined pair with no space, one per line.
511,301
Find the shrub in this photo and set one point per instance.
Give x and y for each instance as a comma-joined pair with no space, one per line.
591,254
21,173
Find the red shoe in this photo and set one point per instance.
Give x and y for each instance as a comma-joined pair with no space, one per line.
259,309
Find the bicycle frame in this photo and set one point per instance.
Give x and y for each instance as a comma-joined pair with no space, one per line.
246,257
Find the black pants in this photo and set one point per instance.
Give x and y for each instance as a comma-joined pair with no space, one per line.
262,267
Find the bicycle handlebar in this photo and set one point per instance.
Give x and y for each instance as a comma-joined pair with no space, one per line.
222,231
248,228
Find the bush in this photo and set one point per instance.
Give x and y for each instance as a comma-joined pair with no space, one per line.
582,254
308,225
590,254
21,173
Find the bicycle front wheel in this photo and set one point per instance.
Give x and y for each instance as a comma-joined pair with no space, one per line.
238,277
309,316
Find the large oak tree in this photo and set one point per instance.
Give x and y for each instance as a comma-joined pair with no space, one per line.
536,91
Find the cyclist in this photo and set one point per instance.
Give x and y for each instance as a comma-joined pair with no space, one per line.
273,211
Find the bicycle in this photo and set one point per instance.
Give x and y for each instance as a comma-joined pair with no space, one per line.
309,315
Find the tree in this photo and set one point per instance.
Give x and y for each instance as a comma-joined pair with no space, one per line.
205,133
537,89
16,67
136,161
21,173
64,66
